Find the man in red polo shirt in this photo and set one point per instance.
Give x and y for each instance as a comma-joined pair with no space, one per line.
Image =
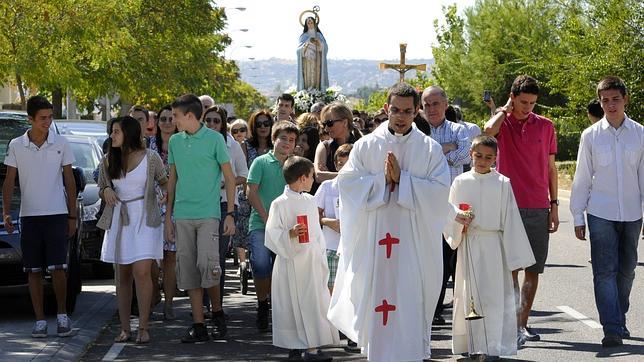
527,148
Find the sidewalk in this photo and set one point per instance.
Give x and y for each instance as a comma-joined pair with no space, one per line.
243,342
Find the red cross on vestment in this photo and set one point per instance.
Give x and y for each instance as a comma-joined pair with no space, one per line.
385,308
389,241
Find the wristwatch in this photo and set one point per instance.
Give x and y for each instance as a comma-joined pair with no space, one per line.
555,201
231,213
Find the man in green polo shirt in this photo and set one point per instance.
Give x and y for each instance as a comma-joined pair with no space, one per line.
265,183
197,158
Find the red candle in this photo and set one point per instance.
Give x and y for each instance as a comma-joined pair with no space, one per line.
467,211
304,238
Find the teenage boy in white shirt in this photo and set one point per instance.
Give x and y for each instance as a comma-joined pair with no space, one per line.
47,208
609,187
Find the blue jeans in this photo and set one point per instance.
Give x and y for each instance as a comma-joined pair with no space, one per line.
613,248
261,258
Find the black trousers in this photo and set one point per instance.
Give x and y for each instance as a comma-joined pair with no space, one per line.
449,269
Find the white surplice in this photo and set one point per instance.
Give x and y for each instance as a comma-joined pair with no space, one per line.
299,293
496,244
390,245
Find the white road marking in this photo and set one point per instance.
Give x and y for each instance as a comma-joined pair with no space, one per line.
580,317
113,352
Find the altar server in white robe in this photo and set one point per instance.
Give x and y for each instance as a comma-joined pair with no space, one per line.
489,249
393,196
299,295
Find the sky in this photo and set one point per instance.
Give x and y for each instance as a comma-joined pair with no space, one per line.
354,29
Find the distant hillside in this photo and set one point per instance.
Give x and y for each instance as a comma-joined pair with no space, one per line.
271,76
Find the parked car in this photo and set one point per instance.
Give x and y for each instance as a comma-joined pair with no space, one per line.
83,127
13,280
88,155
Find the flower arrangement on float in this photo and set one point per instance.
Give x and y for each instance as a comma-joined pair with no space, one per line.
305,98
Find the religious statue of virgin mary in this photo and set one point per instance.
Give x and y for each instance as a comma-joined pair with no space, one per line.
311,54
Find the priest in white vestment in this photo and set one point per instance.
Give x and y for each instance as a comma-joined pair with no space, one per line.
393,207
300,297
494,245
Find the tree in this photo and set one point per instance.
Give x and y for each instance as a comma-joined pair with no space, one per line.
147,51
568,45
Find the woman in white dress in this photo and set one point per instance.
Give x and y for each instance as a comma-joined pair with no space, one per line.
132,219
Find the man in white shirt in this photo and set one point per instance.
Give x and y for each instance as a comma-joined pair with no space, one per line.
47,216
609,187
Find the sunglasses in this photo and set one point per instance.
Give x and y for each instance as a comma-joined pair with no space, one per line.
263,123
212,120
238,130
330,122
165,119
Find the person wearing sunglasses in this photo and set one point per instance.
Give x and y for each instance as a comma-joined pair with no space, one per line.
215,119
259,142
337,119
239,131
166,127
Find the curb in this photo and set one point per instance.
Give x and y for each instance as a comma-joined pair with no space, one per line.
87,328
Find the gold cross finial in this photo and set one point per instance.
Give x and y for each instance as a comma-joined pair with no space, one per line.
402,67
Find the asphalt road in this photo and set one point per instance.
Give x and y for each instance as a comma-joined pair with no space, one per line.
564,314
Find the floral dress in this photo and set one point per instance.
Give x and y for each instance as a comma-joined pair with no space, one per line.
243,211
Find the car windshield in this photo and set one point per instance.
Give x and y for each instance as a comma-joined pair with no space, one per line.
86,158
90,129
12,125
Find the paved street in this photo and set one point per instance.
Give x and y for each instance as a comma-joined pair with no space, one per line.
564,315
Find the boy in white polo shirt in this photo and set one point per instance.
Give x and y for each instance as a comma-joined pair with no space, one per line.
46,215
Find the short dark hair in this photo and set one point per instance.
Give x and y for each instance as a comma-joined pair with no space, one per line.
189,103
287,97
140,109
484,140
450,114
36,103
612,82
524,84
343,151
459,112
594,108
296,167
284,126
403,90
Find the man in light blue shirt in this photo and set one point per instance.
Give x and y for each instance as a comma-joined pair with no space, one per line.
609,187
454,140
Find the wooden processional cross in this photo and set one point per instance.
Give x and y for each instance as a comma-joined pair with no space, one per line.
402,68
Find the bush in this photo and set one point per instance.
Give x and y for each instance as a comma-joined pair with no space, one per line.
567,146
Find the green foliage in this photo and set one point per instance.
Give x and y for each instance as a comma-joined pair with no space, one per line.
568,45
375,102
147,51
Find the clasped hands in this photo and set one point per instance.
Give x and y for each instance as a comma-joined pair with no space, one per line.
392,169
